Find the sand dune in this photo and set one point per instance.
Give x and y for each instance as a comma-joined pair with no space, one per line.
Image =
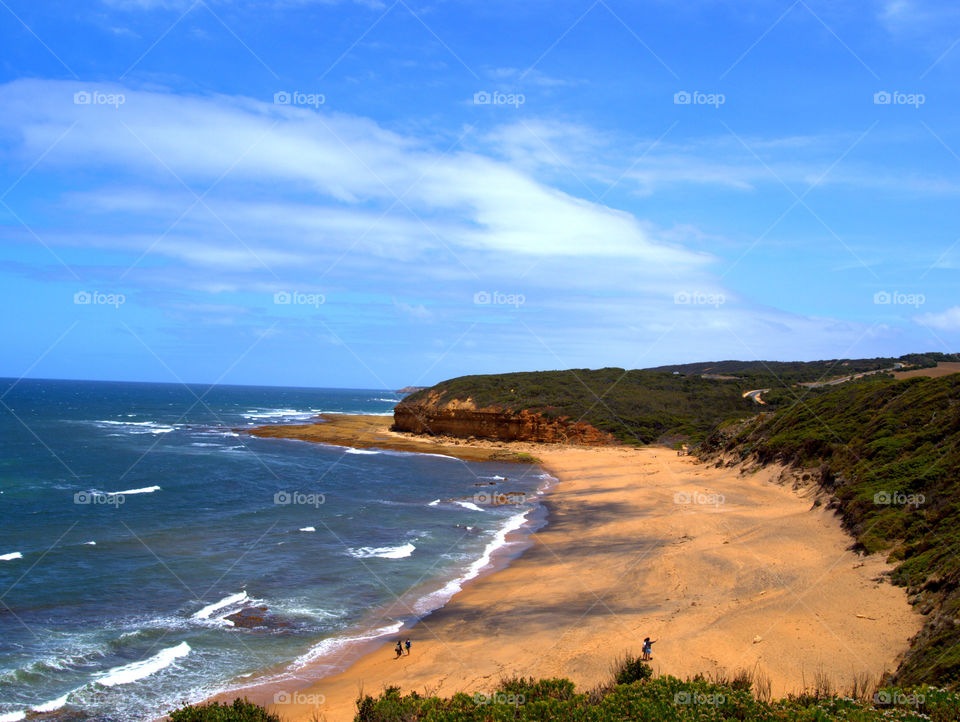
725,570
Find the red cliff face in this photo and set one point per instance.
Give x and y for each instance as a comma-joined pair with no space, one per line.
463,419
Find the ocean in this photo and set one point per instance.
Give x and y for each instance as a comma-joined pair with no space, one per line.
136,519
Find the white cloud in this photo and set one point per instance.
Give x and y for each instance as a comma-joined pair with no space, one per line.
948,320
305,199
476,202
598,163
413,310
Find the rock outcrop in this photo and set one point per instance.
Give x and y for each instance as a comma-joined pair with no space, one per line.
461,418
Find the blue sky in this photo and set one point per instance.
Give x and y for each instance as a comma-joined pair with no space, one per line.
375,194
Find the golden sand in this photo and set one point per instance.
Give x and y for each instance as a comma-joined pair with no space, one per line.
726,570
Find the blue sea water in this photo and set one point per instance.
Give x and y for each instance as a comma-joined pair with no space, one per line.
134,518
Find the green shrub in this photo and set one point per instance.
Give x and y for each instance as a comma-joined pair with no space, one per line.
631,669
240,710
658,699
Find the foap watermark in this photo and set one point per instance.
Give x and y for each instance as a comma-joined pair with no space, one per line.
896,697
686,97
287,498
295,298
295,697
898,498
698,498
96,97
496,298
714,699
897,298
499,698
295,97
699,298
886,97
493,497
97,498
484,97
97,298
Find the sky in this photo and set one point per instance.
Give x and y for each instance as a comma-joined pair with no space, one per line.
380,194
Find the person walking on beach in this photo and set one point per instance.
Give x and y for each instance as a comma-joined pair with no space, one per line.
407,645
398,649
648,649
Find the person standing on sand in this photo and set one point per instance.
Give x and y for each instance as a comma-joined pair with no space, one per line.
648,649
407,645
398,649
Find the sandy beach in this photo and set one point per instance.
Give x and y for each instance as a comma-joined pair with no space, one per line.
726,570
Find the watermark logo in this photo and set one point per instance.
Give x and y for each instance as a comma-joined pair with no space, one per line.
499,698
483,97
313,700
295,298
698,498
96,298
896,498
295,97
496,298
86,97
511,497
714,699
698,298
96,498
685,97
896,697
896,298
886,97
287,498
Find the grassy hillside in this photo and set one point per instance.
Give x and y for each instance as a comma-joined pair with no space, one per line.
794,372
670,402
634,406
889,452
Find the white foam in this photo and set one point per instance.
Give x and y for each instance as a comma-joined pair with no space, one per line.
351,450
281,414
141,427
442,595
144,668
434,502
308,528
392,401
398,552
394,452
90,544
12,716
127,492
469,505
200,443
53,705
328,646
238,598
495,476
10,557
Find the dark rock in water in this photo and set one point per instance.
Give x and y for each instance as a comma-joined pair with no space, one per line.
257,618
486,483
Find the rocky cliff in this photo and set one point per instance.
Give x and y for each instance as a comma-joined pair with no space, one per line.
461,418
